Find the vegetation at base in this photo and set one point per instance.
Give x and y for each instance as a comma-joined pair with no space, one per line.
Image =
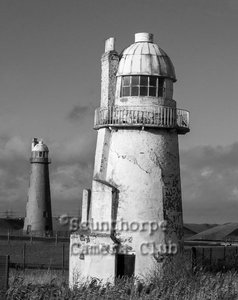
179,282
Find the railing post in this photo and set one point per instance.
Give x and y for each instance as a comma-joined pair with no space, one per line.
224,256
210,258
203,256
4,275
194,258
63,250
24,255
167,110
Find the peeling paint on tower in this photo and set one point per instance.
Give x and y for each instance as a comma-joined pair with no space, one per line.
137,171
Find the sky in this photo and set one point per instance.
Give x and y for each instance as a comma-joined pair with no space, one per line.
50,53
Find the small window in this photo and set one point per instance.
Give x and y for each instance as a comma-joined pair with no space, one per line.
153,81
161,87
144,80
142,86
143,91
126,91
134,91
152,91
135,80
40,154
126,80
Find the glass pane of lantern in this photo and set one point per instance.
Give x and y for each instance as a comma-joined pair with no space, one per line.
152,91
126,91
153,80
143,91
134,91
144,80
134,80
126,81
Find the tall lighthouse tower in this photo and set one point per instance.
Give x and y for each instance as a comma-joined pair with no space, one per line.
38,220
136,185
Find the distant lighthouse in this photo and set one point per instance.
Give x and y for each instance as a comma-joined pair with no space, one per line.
38,220
136,184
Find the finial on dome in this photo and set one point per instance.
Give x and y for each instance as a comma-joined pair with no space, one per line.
39,145
144,37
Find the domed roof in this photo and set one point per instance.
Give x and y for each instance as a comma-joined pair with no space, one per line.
145,58
40,147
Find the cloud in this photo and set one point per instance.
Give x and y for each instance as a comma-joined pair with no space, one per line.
13,173
70,172
210,183
76,149
67,184
12,146
79,112
209,177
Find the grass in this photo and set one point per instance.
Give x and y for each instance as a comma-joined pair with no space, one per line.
179,282
37,277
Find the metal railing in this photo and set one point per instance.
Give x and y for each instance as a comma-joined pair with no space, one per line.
130,116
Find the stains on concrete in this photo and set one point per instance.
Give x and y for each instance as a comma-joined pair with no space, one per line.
123,100
131,159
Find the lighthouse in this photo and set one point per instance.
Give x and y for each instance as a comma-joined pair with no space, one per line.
135,210
38,220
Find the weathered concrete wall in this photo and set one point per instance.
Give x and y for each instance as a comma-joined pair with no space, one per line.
101,154
38,209
136,181
144,166
91,256
101,211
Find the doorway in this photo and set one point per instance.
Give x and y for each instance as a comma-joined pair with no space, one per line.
125,265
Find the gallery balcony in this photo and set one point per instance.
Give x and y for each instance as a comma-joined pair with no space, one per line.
140,116
40,160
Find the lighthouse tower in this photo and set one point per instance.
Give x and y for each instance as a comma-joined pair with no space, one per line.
38,220
136,183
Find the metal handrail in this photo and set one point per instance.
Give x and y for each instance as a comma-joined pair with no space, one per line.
129,116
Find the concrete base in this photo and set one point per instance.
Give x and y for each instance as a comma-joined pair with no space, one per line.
91,256
96,256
